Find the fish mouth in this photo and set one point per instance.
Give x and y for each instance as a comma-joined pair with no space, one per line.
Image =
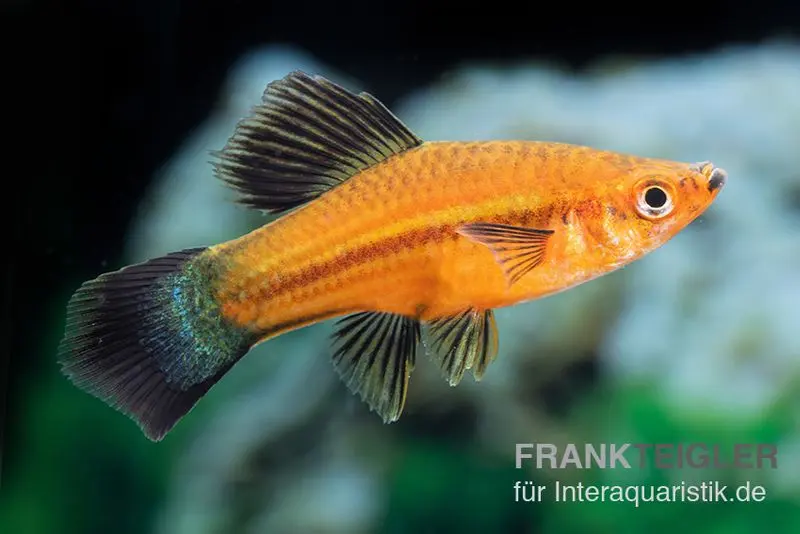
716,179
716,176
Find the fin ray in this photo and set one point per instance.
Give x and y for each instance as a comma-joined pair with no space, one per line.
336,127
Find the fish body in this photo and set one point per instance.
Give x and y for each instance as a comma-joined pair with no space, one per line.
387,239
397,237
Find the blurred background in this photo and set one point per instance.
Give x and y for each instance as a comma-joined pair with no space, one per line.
697,342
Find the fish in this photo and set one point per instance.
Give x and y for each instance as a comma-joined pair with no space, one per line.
409,245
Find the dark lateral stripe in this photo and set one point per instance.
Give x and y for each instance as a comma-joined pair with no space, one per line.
357,256
386,247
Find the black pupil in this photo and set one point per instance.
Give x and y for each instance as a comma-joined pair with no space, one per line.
655,197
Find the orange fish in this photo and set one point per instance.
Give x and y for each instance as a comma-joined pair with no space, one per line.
403,239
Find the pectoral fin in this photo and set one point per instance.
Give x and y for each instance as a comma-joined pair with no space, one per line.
464,341
517,249
374,355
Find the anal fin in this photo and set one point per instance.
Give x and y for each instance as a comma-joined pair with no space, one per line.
462,342
374,354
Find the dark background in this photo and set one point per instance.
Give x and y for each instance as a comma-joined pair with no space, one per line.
106,90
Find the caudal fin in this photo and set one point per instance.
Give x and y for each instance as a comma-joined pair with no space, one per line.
149,339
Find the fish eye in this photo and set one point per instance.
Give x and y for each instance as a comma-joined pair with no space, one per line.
655,197
654,202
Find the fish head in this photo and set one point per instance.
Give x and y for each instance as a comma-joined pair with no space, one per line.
657,200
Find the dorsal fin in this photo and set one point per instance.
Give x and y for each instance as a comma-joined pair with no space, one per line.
307,136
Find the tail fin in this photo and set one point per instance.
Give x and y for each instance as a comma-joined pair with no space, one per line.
150,340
